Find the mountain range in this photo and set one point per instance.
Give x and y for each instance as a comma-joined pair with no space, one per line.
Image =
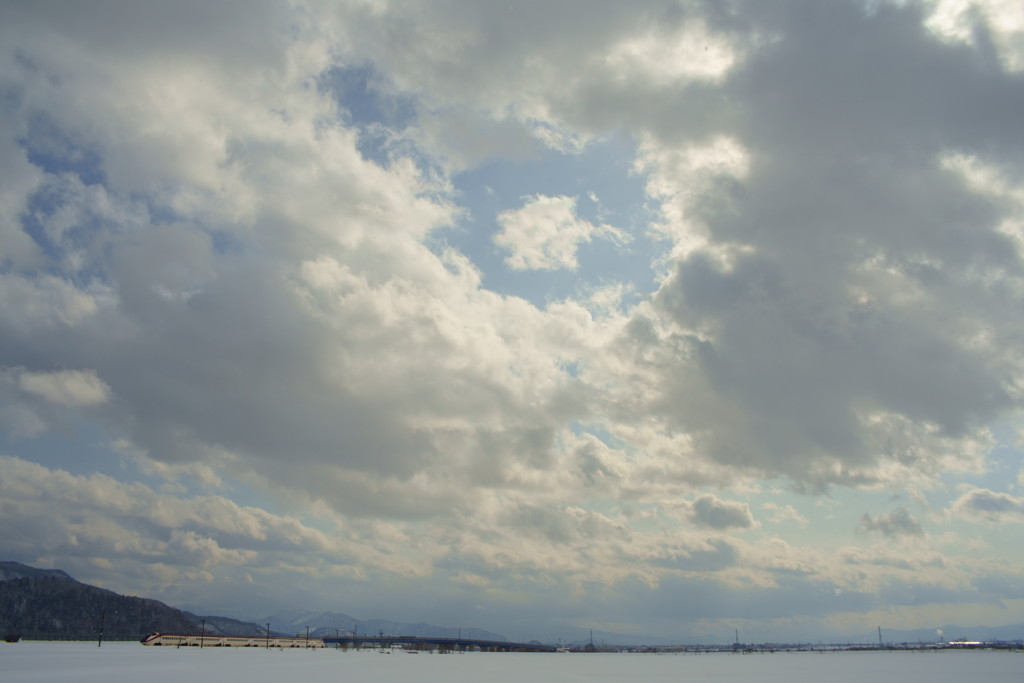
50,604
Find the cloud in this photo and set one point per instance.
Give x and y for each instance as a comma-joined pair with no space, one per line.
66,387
35,402
898,522
810,275
45,303
283,301
713,513
785,515
545,234
692,52
711,556
793,333
95,517
1002,22
217,258
985,505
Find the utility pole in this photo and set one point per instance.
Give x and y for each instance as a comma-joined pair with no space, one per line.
202,634
103,619
880,646
268,635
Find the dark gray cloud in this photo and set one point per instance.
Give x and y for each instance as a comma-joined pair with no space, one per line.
994,506
709,511
860,265
240,34
894,524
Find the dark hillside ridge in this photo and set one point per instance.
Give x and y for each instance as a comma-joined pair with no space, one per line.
47,604
226,626
17,570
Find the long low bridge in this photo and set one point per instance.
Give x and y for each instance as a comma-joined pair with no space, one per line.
421,642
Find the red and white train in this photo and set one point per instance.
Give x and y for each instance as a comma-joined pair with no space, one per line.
183,640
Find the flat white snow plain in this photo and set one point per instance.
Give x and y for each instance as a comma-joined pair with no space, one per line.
43,662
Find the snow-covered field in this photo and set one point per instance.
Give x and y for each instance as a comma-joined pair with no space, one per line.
39,662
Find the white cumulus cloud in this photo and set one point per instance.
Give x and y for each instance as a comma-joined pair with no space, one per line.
546,233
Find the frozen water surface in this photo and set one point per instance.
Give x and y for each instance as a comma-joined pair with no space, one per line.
39,662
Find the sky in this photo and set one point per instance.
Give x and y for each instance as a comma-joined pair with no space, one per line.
666,318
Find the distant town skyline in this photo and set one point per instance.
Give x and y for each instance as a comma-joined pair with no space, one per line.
665,318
